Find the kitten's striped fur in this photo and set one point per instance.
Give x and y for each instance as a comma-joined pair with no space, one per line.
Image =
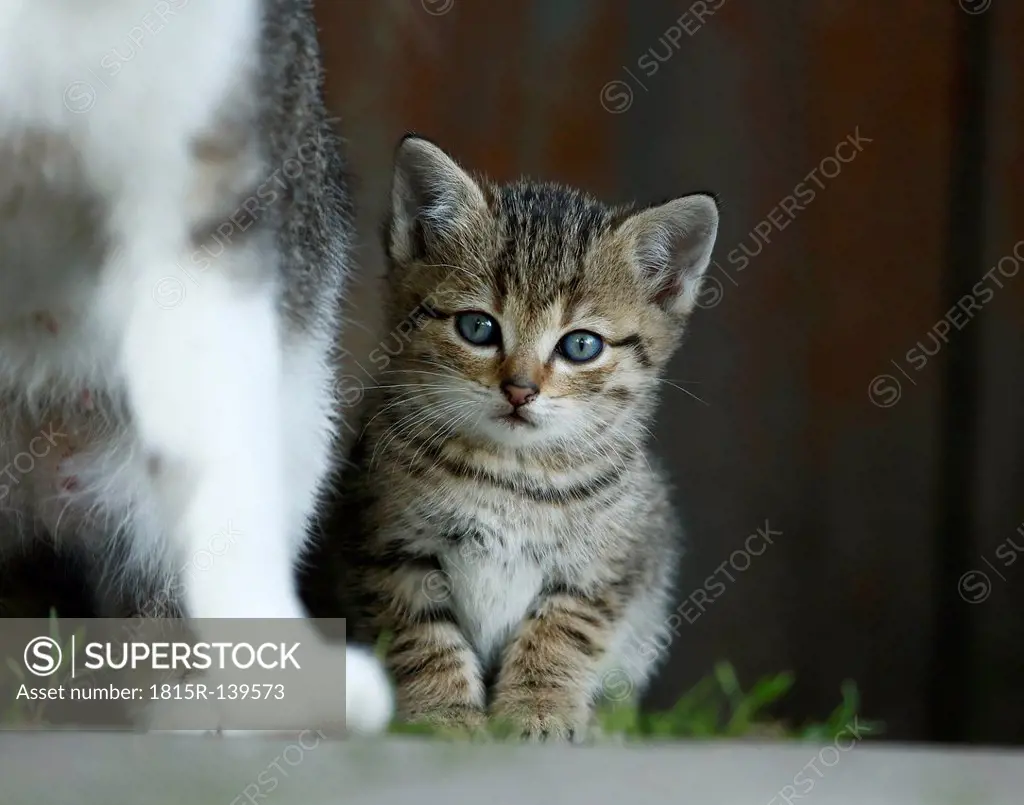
518,566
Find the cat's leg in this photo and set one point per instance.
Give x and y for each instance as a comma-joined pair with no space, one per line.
551,673
204,387
204,383
310,411
438,676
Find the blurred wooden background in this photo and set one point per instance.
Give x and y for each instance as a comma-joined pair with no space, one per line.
882,509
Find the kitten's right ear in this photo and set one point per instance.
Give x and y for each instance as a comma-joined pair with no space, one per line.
432,198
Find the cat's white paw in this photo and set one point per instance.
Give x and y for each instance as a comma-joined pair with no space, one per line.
369,701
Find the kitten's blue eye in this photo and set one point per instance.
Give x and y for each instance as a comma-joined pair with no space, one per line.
579,346
478,329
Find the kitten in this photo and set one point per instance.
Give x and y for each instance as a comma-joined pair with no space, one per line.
502,518
174,232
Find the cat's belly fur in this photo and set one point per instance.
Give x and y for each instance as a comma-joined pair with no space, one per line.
87,123
81,129
72,462
75,121
71,458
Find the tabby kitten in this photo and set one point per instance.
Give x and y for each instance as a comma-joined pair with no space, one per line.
502,518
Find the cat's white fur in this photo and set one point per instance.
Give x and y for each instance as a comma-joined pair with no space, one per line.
230,419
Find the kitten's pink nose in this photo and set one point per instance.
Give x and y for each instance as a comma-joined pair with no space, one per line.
519,392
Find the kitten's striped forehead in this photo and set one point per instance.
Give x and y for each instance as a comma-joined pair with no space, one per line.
547,232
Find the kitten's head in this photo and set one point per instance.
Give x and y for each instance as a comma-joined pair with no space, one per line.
538,315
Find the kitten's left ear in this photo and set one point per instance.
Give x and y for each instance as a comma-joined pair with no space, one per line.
671,245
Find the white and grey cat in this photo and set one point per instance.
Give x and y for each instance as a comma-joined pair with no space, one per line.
174,230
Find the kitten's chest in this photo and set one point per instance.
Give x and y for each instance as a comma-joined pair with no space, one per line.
498,553
493,589
498,563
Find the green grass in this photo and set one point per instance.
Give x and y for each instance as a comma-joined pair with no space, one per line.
26,713
717,707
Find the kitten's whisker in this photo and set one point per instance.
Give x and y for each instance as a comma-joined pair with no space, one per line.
408,385
463,269
639,451
386,436
410,420
483,270
398,401
442,433
391,404
458,423
435,364
650,433
685,391
448,375
441,414
402,397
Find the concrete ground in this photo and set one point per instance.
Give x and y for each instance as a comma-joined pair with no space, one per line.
110,769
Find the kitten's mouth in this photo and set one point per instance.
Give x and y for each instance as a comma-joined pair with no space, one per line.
515,420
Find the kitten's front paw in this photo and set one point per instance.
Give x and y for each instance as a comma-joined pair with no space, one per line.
537,719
